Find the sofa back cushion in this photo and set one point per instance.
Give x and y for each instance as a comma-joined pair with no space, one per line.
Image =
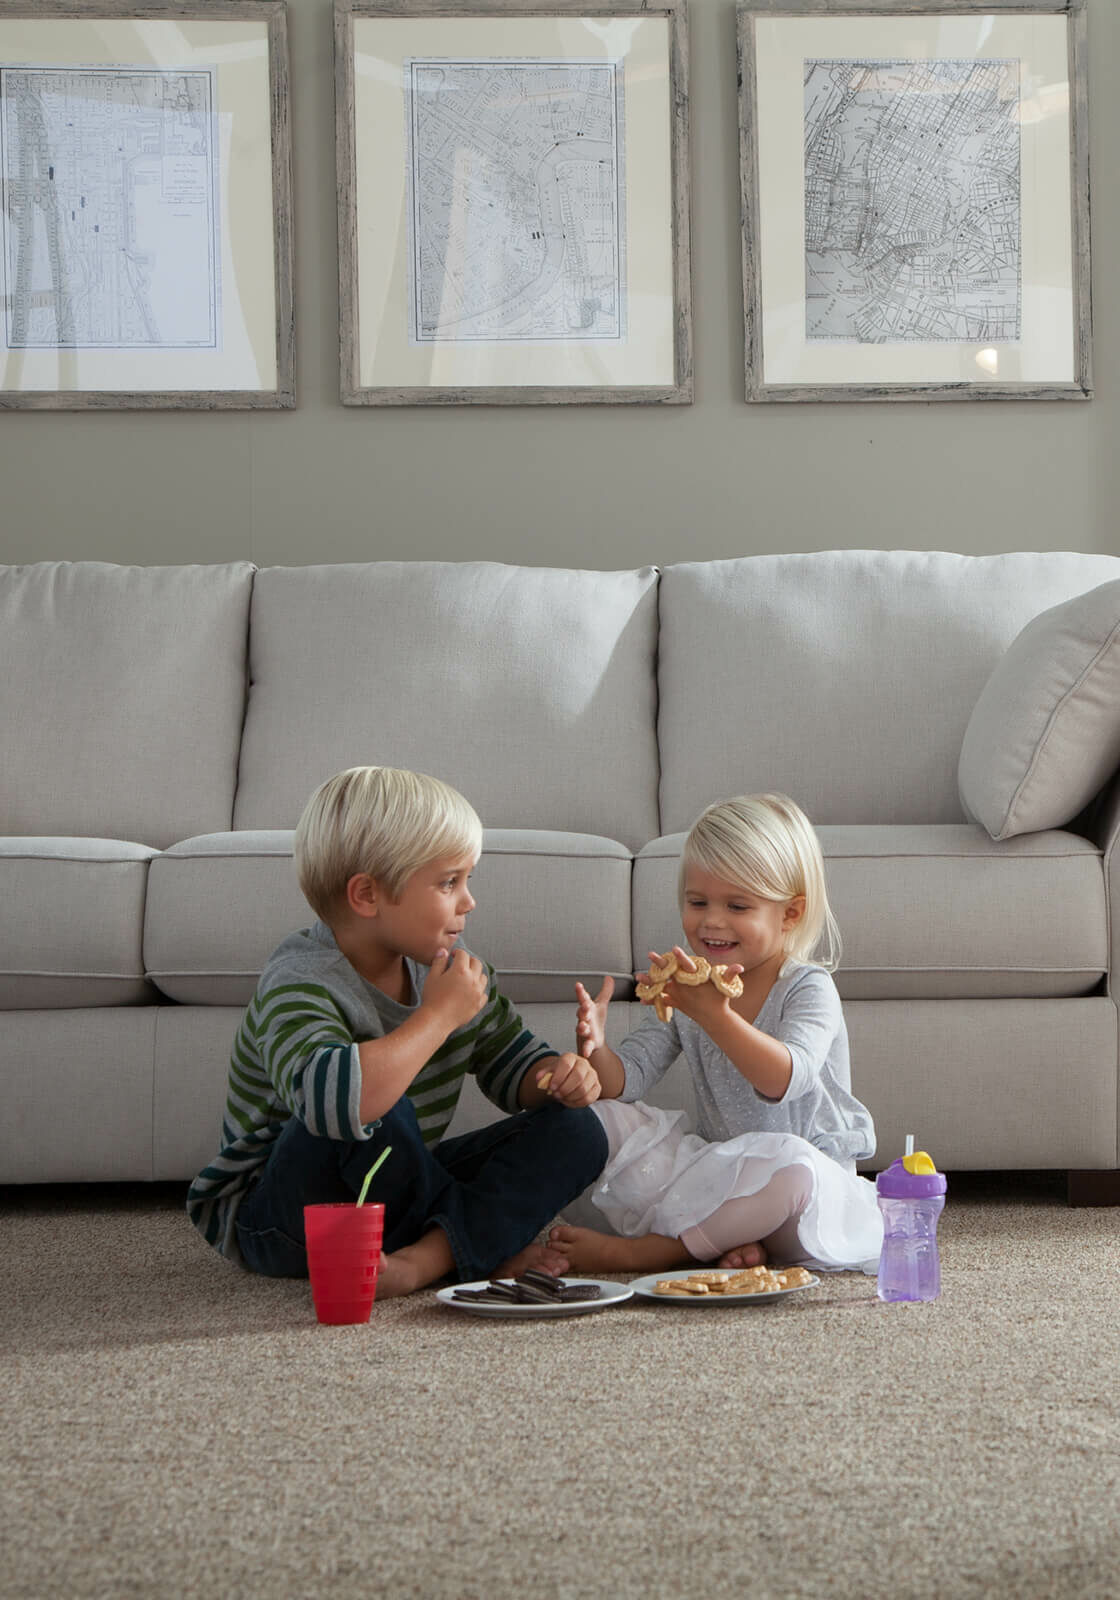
531,689
122,691
844,678
1044,736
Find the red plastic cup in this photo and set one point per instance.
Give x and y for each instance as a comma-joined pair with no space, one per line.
343,1258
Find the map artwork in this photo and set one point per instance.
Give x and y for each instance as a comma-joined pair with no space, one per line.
516,200
912,202
110,208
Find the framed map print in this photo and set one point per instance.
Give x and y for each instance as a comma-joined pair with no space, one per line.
915,199
145,230
513,201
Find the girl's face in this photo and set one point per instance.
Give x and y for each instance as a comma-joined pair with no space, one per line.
727,924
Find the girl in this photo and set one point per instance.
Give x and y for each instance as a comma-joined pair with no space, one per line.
771,1173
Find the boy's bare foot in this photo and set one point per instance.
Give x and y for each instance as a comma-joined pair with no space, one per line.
592,1252
743,1255
544,1257
399,1274
414,1265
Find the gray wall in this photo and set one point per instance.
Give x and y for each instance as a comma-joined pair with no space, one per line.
594,486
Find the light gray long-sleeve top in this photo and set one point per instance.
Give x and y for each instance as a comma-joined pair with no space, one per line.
803,1010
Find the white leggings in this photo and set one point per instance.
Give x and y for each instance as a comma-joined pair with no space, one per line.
768,1217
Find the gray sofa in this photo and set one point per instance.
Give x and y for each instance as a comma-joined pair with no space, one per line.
162,728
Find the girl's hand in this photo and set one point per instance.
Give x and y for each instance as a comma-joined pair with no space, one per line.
573,1081
702,1002
591,1018
655,960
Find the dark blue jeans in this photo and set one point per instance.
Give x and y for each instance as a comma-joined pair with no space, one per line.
491,1191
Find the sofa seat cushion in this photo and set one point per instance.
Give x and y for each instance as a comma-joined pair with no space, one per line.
123,690
938,912
73,921
531,689
552,907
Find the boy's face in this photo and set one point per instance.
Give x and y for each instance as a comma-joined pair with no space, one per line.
431,911
727,925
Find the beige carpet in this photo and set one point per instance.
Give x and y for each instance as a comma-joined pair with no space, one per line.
174,1427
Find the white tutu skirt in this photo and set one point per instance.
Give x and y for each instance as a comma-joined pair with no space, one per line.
661,1179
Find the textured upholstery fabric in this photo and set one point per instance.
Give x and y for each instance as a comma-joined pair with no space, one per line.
218,905
1022,1083
122,690
846,677
73,914
191,1069
508,680
1044,735
939,912
77,1095
551,907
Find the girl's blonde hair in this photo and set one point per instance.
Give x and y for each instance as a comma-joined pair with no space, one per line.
382,820
764,843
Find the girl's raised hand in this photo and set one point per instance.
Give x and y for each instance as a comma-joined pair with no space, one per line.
702,1002
591,1018
655,961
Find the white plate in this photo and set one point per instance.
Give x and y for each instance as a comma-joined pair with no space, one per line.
645,1288
610,1294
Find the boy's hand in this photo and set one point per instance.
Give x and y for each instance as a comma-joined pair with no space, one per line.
455,988
570,1079
591,1018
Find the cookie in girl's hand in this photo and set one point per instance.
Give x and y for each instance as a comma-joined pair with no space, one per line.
652,993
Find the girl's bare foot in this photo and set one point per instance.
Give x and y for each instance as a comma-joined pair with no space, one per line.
592,1252
743,1255
544,1257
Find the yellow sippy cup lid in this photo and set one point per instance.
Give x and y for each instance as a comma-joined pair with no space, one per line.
918,1164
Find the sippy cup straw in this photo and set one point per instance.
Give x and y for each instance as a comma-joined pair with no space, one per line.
365,1186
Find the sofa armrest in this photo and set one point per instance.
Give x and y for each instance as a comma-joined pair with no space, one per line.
1100,822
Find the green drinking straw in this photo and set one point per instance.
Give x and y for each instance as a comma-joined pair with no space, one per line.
365,1186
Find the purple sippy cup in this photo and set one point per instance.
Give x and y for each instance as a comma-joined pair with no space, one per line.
911,1197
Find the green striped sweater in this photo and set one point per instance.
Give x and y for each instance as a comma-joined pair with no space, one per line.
296,1055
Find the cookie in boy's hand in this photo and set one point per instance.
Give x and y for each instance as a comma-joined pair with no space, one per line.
661,973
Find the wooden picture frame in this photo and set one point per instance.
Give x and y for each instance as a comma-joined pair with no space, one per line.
513,202
915,199
146,249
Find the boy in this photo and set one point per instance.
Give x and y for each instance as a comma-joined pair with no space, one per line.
359,1036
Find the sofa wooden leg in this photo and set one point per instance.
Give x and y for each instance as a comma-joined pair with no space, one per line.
1094,1188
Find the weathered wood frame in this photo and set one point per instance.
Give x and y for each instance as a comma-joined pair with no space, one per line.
352,390
1081,388
274,14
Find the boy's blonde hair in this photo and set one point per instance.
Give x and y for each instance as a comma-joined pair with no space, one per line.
766,844
382,820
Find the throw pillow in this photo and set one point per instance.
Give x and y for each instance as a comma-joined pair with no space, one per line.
1044,736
